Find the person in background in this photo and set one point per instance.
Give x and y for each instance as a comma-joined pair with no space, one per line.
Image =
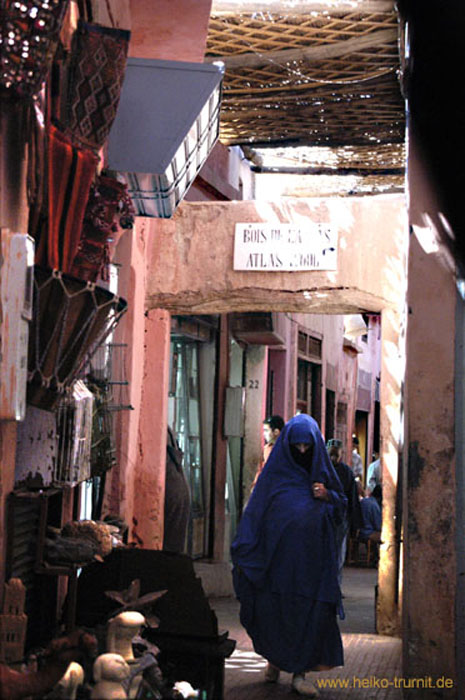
271,429
374,477
352,520
285,560
357,464
377,493
371,516
177,498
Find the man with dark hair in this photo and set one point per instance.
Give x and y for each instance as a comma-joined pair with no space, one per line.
272,426
353,516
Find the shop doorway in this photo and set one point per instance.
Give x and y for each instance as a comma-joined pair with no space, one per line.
330,415
309,388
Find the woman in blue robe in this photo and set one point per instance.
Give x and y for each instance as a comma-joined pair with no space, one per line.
285,558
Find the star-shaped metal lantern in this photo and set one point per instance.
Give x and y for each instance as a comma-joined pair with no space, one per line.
130,599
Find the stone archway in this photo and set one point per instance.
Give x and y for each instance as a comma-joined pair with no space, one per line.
190,271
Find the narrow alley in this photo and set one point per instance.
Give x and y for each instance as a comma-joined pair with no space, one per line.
232,338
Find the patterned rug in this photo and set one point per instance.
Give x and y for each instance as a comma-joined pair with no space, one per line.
98,62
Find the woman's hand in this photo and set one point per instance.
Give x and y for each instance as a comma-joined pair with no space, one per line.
320,491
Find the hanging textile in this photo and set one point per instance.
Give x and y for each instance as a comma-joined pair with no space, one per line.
70,174
98,62
30,31
36,176
109,207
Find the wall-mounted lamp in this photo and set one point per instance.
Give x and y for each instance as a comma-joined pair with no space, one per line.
166,125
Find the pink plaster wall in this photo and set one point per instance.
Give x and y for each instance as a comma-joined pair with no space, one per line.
430,552
149,473
254,410
226,173
130,255
347,383
141,432
429,516
291,369
197,194
157,32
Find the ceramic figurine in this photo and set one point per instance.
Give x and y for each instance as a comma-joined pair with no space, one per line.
121,631
109,672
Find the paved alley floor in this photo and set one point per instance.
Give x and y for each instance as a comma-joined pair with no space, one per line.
371,661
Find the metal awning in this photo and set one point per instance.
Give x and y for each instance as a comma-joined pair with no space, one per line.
166,125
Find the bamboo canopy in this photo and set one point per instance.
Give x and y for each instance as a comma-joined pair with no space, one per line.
312,74
312,53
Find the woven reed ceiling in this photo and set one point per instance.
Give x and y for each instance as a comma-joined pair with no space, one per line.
313,74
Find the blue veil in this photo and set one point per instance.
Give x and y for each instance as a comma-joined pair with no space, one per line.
285,544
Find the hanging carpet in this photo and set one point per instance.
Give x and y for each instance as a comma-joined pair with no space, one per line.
96,73
70,174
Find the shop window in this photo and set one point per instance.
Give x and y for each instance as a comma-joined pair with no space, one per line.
314,346
302,343
308,345
184,418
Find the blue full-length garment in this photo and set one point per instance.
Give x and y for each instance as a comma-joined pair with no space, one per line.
285,558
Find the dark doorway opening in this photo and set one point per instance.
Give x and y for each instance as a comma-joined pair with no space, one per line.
309,388
330,414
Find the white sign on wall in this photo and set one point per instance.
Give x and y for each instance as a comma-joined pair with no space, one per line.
285,247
